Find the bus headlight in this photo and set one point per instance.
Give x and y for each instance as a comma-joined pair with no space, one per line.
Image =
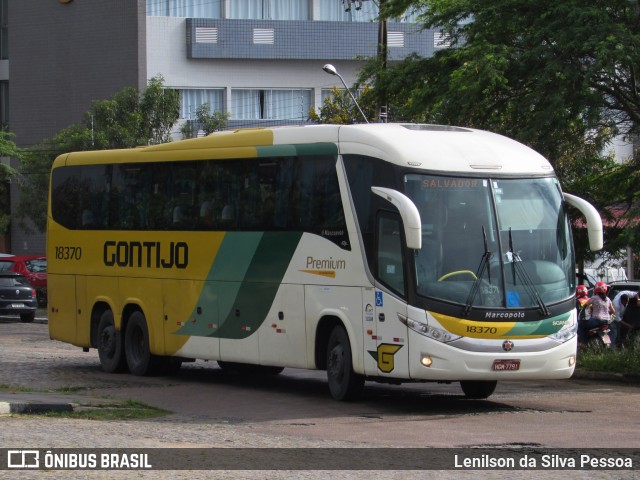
428,331
566,333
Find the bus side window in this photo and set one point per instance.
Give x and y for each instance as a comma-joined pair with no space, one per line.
390,264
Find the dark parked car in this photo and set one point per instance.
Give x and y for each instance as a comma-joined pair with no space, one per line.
32,267
617,287
17,296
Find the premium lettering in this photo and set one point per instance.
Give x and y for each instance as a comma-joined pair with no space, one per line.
326,263
146,254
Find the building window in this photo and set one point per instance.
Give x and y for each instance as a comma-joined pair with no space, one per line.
4,105
184,8
263,36
191,99
4,31
270,104
347,11
206,35
269,9
441,40
395,39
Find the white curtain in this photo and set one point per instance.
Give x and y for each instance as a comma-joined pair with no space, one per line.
334,11
245,104
191,99
287,104
289,9
246,9
184,8
269,9
270,104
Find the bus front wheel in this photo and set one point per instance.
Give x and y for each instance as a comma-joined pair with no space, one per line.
478,389
136,345
109,344
344,383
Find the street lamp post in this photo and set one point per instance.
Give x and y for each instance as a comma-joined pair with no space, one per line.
331,70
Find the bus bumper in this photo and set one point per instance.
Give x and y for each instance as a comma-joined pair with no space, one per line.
432,360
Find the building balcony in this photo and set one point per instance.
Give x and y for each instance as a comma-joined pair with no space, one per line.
302,40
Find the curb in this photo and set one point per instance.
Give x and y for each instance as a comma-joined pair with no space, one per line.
31,407
605,376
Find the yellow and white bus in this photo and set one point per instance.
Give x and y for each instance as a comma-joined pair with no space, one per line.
382,252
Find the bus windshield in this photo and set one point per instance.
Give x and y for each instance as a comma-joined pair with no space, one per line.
492,243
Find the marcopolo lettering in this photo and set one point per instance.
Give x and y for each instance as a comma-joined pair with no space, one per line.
146,254
504,315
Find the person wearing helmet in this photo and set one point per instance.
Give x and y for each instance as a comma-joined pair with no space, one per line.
582,295
601,311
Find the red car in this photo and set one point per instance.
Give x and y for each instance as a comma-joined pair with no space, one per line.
32,267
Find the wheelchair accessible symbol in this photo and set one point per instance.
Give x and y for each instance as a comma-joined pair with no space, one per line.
379,299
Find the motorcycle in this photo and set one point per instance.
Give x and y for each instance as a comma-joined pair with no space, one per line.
599,335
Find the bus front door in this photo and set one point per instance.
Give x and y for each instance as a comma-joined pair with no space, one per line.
391,342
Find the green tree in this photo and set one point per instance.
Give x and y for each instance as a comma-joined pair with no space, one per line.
559,76
206,121
8,150
130,119
160,109
338,108
549,71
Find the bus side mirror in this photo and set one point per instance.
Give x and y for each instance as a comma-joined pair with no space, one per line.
591,215
408,212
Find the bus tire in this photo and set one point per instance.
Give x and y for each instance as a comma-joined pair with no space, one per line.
478,389
136,346
109,344
344,383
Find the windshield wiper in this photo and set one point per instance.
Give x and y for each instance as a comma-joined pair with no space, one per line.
517,268
484,262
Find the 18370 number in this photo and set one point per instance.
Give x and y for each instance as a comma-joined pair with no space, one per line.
68,253
479,329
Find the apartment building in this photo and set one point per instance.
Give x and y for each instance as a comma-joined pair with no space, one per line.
259,60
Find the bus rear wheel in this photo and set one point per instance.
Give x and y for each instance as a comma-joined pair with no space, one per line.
109,344
344,383
478,389
136,346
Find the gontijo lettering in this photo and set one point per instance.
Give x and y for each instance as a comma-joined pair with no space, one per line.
146,254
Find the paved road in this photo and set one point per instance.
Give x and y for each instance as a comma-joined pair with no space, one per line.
214,409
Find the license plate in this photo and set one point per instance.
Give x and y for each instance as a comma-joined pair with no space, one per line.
17,305
504,365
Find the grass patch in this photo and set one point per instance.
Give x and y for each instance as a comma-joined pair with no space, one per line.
127,410
619,360
70,389
11,389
